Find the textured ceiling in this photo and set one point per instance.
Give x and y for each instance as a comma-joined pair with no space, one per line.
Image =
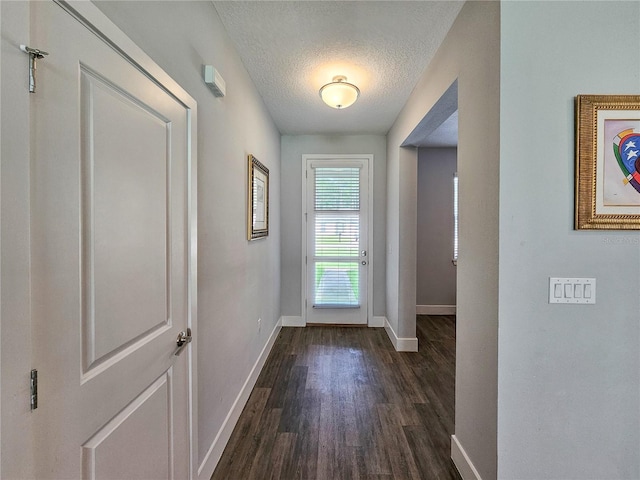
292,48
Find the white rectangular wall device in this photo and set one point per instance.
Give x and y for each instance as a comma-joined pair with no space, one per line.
572,290
214,80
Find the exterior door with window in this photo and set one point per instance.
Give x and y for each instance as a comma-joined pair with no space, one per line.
337,256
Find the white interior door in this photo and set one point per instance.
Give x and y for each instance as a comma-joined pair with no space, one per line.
112,284
337,256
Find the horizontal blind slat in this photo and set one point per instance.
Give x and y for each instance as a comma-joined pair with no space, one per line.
337,235
337,189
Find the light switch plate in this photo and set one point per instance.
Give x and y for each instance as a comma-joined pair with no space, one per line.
572,290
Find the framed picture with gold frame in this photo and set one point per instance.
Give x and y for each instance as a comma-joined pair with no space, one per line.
257,200
607,195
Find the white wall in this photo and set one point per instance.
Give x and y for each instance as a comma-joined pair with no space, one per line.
293,147
435,272
238,281
569,376
470,53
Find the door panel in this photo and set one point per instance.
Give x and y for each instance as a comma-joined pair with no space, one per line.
126,237
110,260
336,251
107,455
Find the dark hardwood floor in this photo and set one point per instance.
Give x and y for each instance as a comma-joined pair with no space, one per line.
340,403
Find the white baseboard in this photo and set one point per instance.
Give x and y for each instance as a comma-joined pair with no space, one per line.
299,322
462,461
208,465
293,322
400,344
435,309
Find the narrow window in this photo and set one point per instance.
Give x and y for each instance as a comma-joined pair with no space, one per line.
455,218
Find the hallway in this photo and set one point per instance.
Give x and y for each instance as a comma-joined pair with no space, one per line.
341,403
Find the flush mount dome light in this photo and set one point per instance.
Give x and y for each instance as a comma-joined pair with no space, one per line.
339,93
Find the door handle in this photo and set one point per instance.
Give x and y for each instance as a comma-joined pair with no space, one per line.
364,262
184,338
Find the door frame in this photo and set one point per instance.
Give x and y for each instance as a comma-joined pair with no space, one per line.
87,14
16,457
368,157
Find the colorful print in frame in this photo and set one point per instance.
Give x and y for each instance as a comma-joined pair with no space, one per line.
607,162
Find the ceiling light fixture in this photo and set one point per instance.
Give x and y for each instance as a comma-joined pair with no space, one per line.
339,93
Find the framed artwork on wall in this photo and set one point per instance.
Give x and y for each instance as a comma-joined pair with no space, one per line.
607,162
257,200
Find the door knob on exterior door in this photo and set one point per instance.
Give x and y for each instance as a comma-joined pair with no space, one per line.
184,338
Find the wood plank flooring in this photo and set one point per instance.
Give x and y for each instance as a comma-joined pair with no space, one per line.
335,403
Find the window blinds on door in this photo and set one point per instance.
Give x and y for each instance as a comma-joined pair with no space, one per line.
337,237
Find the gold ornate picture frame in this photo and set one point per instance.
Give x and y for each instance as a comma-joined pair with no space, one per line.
257,200
607,162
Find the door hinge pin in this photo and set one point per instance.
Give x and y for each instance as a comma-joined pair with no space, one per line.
34,55
34,389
